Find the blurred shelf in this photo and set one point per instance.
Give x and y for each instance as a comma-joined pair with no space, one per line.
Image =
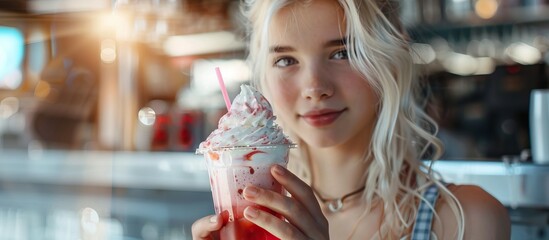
505,17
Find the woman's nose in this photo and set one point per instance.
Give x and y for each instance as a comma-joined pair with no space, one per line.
317,86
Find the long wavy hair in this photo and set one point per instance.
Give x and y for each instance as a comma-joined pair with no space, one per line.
403,135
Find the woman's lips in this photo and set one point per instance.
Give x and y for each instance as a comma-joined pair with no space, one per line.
322,118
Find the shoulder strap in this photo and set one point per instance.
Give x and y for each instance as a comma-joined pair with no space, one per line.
424,217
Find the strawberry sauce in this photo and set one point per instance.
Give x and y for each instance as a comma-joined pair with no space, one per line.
227,190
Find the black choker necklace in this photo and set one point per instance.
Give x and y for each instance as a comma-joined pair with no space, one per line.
336,204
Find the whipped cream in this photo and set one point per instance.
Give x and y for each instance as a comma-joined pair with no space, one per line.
249,122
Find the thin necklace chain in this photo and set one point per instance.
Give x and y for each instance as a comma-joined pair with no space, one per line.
336,204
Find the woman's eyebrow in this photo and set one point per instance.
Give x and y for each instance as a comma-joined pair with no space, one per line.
331,43
336,42
279,49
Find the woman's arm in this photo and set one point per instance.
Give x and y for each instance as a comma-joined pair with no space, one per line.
485,217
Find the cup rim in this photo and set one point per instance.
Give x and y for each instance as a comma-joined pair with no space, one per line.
229,148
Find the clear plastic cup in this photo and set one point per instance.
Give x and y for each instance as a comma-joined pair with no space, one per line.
231,169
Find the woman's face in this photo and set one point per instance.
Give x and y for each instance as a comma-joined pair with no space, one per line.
310,82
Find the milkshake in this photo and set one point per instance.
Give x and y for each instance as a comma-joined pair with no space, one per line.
239,153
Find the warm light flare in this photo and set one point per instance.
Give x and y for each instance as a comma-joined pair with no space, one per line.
203,43
486,8
42,89
116,22
108,51
108,55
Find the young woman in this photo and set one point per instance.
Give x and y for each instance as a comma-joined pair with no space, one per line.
341,81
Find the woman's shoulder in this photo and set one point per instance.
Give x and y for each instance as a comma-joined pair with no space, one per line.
484,216
475,201
472,197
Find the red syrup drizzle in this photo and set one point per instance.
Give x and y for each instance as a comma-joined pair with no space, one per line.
251,154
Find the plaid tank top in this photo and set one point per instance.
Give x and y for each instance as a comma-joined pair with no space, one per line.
424,218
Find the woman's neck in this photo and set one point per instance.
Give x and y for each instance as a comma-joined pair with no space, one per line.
336,172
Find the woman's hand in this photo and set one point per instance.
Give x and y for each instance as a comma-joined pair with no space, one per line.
207,228
302,211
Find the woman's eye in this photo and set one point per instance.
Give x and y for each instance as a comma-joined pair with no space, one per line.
340,55
284,62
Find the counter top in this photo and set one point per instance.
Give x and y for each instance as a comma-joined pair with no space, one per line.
143,170
515,185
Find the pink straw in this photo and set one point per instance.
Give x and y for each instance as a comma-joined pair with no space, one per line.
223,88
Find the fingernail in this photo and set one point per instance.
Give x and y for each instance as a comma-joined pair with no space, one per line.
279,170
213,219
251,191
251,212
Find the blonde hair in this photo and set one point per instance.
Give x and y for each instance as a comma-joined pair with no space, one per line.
403,134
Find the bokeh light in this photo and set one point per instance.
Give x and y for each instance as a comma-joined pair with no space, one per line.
486,8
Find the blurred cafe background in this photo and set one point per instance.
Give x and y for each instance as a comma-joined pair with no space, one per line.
103,102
